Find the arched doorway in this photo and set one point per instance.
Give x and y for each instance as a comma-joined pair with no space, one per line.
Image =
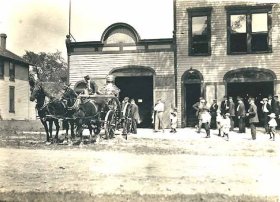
137,82
250,82
192,89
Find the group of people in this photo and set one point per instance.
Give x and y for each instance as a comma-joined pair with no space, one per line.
225,116
130,112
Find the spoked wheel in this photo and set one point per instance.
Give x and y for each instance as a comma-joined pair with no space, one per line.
110,124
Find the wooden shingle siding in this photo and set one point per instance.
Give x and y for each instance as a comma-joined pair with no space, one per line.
98,66
214,67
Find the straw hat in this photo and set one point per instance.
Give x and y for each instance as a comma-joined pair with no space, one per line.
272,115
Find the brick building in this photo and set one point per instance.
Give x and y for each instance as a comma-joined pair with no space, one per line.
219,48
225,48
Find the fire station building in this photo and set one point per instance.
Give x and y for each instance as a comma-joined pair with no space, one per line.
218,48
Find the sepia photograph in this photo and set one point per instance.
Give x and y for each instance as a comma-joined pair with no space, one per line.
140,100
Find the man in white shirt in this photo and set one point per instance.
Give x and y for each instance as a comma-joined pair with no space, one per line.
159,109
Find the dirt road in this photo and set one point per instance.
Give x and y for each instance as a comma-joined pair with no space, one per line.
164,165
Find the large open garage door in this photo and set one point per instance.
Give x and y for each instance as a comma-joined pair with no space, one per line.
250,82
139,88
137,83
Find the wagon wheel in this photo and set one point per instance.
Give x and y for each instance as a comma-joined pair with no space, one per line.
110,124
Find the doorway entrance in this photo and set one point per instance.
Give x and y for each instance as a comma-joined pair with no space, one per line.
140,88
258,90
250,82
191,96
191,91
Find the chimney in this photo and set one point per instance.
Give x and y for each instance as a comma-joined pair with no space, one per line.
3,41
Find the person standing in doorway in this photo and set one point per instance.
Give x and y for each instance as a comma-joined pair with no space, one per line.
241,114
224,106
213,111
135,118
231,112
253,117
159,109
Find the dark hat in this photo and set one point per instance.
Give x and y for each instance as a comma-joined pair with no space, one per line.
87,77
276,96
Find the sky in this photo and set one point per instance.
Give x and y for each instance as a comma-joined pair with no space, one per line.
41,25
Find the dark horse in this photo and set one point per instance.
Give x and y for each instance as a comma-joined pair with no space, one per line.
69,97
87,115
38,94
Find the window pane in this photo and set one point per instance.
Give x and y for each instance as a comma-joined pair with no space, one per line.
12,71
199,25
259,42
200,48
1,69
238,43
12,99
238,23
259,22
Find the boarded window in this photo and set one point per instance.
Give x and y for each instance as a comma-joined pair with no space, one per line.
12,71
199,32
12,99
1,69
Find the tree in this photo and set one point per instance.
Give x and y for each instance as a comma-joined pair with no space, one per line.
48,67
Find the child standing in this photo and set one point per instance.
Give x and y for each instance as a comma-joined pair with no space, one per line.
219,120
205,120
173,120
226,125
272,124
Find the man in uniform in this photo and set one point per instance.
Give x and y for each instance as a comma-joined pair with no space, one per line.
253,117
110,88
213,111
69,95
241,113
231,111
92,87
135,118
